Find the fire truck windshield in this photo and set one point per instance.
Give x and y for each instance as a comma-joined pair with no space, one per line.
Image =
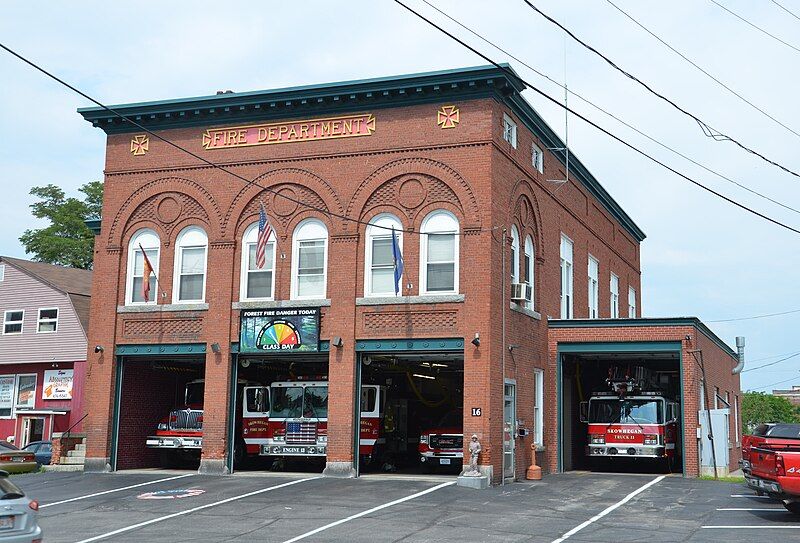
194,393
315,403
614,410
296,402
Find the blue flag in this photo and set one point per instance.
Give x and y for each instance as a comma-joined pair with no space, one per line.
397,257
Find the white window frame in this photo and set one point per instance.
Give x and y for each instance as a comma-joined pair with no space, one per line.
377,229
179,247
530,268
538,407
631,303
614,297
423,252
594,287
514,254
11,414
509,130
16,409
6,322
566,287
40,320
307,223
716,397
244,275
537,158
133,247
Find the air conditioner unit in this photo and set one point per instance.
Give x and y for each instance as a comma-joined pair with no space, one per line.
521,292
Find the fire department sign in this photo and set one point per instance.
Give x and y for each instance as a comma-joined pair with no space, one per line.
350,126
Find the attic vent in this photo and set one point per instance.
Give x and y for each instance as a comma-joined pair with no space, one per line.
2,272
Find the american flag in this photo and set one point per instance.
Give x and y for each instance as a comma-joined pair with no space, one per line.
264,232
301,432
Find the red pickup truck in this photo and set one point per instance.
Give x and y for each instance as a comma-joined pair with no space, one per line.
772,464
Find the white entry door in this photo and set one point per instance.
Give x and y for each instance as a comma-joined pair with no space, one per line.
509,429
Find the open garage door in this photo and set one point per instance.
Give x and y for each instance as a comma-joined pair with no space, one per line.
620,411
159,412
411,413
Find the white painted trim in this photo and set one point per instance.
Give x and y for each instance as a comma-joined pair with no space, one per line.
296,260
423,254
132,247
176,272
371,233
22,322
39,319
244,269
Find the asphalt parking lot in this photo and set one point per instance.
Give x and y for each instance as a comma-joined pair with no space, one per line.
304,507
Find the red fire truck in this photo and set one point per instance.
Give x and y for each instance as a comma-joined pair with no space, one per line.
633,420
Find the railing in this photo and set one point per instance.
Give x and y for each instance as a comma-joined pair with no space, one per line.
66,434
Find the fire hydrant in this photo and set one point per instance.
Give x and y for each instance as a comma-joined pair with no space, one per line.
534,472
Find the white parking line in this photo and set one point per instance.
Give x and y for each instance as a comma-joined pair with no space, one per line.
193,510
368,511
609,509
750,496
751,509
115,490
752,527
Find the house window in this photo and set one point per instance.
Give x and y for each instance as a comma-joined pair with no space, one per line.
48,320
25,397
510,131
147,240
439,254
538,404
514,255
537,158
594,290
566,277
716,397
12,321
631,303
379,258
190,265
7,384
614,296
309,260
528,265
257,283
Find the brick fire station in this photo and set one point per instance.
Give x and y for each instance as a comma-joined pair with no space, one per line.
517,316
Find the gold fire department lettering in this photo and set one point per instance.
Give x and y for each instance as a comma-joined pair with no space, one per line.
267,134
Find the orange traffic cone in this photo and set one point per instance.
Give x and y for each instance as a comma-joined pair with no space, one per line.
534,472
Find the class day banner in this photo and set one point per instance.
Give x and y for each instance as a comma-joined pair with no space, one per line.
279,330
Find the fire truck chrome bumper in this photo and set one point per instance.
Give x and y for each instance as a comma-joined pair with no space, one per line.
639,451
293,450
158,442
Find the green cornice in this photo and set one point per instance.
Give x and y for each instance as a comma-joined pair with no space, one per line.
161,349
396,345
354,96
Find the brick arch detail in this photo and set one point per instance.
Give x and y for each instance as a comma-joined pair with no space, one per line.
142,205
443,184
522,195
307,187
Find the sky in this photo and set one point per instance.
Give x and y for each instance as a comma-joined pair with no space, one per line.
702,257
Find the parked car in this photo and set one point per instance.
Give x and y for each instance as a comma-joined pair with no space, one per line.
42,450
18,522
774,465
13,460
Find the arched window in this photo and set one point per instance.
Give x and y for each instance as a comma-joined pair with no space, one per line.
257,283
528,266
191,251
379,258
309,260
134,288
514,254
439,254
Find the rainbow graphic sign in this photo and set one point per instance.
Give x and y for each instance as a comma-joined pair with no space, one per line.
279,330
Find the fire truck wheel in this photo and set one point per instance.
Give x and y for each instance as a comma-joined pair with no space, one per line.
793,507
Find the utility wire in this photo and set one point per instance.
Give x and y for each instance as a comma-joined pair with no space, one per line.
707,129
758,316
252,182
595,125
608,113
773,384
704,71
769,357
773,36
786,10
772,363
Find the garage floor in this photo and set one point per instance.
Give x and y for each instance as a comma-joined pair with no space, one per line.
299,507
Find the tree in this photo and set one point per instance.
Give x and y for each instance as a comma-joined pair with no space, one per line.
759,407
66,240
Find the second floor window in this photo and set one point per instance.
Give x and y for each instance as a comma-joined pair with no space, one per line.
12,321
190,266
48,320
309,260
566,277
594,272
614,296
528,266
537,158
147,240
379,258
514,255
631,303
510,131
257,283
439,254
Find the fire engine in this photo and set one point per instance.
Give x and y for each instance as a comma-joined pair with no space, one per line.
634,419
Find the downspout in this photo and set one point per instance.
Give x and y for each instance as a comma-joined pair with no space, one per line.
740,353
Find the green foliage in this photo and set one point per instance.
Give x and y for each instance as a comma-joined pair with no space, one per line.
759,407
66,240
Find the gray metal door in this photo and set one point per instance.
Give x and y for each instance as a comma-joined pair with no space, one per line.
509,429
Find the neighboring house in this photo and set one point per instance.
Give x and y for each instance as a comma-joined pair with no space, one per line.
792,395
45,311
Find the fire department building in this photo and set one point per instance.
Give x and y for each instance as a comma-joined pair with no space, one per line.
521,288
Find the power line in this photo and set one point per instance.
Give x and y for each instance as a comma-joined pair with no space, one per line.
758,316
704,71
707,129
768,357
608,113
595,125
773,36
772,363
786,10
773,384
213,164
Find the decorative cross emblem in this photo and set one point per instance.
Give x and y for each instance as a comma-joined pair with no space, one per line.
140,145
448,117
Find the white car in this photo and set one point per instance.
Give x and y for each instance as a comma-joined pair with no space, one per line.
17,514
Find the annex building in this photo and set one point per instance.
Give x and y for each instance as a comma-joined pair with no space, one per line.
520,293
